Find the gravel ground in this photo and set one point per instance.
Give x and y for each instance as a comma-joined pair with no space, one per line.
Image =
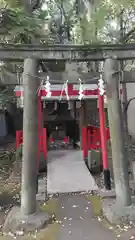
99,178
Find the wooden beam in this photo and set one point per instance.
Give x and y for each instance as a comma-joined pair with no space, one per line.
8,78
67,52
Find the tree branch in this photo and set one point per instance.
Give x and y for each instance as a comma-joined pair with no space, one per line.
31,5
128,35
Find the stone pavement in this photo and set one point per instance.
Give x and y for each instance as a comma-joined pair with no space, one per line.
68,175
78,217
67,172
75,215
77,221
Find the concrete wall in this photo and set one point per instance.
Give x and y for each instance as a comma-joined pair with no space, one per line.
131,109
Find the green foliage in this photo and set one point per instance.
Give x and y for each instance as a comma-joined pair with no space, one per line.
6,96
20,28
105,22
13,3
86,28
97,22
16,26
26,28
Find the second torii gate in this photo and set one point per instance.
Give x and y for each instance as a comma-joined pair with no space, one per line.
72,92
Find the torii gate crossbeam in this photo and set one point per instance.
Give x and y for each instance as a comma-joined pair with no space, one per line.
18,52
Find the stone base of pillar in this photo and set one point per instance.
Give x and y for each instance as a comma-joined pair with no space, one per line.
29,223
116,213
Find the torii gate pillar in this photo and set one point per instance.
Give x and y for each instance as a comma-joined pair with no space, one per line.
30,138
119,156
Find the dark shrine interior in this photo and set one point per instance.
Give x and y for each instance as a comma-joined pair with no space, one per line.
59,122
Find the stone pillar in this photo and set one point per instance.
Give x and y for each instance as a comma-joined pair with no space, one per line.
116,124
30,138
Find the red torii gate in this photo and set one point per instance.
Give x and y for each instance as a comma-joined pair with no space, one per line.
92,137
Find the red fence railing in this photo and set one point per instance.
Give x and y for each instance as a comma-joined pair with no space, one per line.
91,139
42,143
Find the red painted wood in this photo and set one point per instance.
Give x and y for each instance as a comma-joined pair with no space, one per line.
19,139
57,93
103,134
42,143
84,143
